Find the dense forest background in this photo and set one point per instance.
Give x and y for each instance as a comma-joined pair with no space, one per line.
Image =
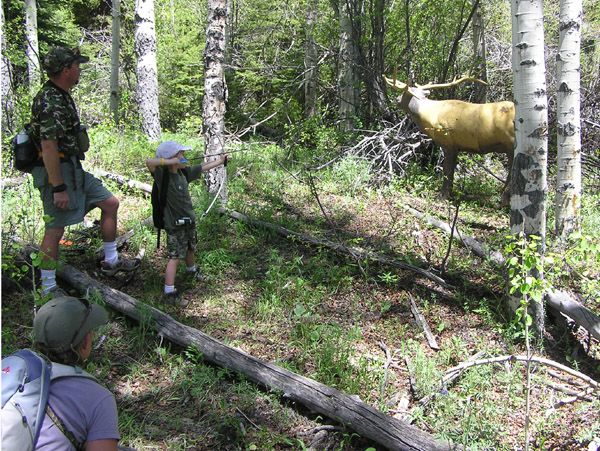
266,59
349,173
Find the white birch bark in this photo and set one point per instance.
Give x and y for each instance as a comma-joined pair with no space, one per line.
568,183
479,52
348,81
146,69
32,48
310,60
529,183
114,59
215,96
6,89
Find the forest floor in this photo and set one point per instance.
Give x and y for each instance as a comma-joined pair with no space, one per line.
327,317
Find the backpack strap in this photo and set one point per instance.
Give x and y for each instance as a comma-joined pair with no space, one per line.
164,187
58,371
62,428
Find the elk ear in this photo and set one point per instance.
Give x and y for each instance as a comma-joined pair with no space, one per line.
418,93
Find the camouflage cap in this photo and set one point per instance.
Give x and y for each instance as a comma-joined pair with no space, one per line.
59,57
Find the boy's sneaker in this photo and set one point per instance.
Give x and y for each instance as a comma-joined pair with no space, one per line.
174,298
123,264
196,276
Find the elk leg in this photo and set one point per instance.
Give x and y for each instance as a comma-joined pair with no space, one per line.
506,190
448,172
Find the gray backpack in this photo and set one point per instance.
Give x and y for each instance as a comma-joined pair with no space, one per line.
26,378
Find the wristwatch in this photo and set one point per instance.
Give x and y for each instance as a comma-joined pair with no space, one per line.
59,189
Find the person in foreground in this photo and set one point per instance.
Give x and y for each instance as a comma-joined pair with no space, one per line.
63,330
67,191
179,217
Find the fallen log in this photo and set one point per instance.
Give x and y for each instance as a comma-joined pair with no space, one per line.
355,252
11,182
122,239
145,187
557,300
467,241
565,304
364,419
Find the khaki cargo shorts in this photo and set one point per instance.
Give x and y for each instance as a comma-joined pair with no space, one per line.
84,190
180,240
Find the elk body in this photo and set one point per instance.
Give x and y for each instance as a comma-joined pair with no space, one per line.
457,126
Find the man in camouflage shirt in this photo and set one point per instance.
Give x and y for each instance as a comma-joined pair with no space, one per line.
67,191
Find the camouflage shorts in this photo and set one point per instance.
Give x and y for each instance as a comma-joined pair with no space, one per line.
180,240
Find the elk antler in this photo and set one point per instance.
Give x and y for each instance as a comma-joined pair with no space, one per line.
454,82
396,84
403,86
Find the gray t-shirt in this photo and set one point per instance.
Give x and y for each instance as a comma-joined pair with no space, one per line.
85,408
179,202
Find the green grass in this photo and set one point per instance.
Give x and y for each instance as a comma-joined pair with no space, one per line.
310,310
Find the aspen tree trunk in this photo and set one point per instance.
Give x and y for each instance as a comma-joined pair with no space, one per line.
114,59
215,95
348,81
479,52
6,89
529,185
229,33
32,49
568,183
146,69
310,61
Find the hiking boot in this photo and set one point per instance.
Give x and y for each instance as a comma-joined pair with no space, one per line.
56,292
123,264
174,298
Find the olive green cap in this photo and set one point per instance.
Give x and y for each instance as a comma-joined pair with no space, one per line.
62,323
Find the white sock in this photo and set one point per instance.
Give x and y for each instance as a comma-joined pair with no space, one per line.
110,252
169,289
191,268
48,280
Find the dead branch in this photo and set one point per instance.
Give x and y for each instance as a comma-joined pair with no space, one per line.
411,376
389,151
386,365
356,252
422,322
521,358
448,380
568,391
